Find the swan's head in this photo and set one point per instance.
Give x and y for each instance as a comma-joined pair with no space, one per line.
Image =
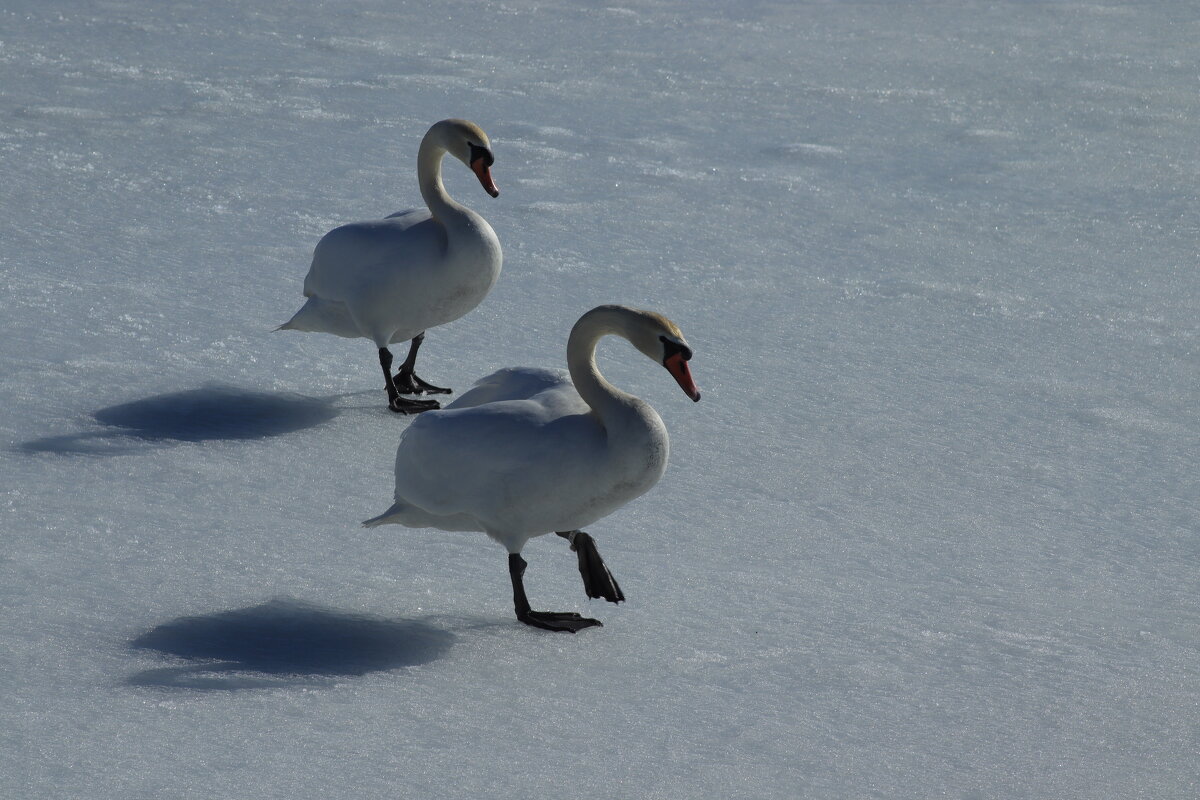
661,340
467,142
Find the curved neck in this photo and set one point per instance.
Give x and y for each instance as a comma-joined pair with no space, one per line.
429,177
604,398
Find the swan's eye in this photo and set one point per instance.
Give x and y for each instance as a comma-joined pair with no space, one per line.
671,347
478,152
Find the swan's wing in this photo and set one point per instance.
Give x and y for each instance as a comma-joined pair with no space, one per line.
328,316
361,256
516,383
501,461
411,216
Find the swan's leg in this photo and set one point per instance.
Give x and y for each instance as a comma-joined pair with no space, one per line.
566,621
597,580
397,403
407,380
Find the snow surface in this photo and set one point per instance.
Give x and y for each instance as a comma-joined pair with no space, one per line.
933,531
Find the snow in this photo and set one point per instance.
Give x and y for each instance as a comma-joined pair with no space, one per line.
933,530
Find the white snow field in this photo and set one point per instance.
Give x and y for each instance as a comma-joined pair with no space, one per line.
933,530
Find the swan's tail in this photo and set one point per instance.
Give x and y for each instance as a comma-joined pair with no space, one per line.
408,515
384,518
324,316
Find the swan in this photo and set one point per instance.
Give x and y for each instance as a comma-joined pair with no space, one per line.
389,280
527,452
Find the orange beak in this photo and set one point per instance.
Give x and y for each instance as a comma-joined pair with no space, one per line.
682,375
485,177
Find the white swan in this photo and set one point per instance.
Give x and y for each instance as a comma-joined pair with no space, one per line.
532,451
391,279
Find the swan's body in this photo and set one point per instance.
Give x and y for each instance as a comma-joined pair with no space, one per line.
528,452
551,465
390,280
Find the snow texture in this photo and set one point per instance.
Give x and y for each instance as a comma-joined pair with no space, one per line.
933,531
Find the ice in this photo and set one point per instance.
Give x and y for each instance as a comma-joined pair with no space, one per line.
932,531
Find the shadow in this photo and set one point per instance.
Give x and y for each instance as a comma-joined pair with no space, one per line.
195,415
284,643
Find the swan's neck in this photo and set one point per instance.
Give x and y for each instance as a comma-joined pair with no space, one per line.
429,176
609,402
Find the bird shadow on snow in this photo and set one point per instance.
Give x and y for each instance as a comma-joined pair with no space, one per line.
195,415
284,643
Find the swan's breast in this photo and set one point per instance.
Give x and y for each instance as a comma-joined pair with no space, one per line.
632,460
638,452
469,269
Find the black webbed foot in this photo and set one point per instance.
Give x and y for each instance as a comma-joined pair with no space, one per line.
564,621
402,405
598,582
396,403
408,382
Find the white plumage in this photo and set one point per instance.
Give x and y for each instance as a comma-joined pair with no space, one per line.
390,280
533,451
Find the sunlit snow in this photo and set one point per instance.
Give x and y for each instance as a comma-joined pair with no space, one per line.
933,530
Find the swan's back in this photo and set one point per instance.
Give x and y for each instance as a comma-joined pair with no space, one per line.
510,455
517,383
379,252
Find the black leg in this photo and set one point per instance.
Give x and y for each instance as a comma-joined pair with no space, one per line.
397,403
597,580
566,621
407,380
